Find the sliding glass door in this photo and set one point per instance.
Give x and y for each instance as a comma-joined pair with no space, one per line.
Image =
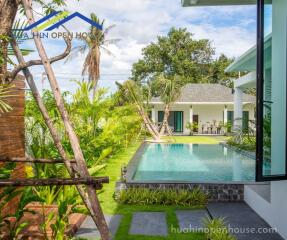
178,121
175,120
271,90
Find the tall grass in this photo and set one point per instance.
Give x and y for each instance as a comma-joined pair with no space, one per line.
142,196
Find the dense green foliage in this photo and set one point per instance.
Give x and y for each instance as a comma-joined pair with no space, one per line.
104,124
244,138
179,54
11,224
175,54
142,196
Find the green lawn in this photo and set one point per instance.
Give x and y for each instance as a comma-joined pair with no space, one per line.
196,139
109,205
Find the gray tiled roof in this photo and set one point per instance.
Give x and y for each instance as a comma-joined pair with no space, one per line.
206,92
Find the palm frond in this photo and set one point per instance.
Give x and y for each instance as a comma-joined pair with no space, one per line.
109,28
111,41
107,51
75,50
86,63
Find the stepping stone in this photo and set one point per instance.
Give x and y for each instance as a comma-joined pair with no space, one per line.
149,224
191,220
89,230
239,218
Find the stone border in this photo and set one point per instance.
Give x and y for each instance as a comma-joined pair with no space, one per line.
216,192
134,162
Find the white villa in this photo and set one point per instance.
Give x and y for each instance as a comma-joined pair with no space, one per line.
208,105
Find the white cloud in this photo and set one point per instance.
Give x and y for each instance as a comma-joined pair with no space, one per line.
139,22
232,41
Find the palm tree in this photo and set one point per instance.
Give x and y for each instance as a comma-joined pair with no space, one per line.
93,44
169,92
134,93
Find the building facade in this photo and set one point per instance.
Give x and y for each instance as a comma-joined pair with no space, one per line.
208,106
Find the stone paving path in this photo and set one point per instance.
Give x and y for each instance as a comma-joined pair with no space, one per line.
238,216
241,217
89,230
191,220
149,224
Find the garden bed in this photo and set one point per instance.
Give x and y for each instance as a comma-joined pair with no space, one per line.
216,192
33,231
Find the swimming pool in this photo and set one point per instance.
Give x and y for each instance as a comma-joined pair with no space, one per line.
192,163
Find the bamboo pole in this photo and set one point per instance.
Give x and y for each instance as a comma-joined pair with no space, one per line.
24,182
97,215
31,160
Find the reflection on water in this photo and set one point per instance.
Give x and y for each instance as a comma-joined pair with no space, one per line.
194,162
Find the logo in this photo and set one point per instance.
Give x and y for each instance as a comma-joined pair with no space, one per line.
52,22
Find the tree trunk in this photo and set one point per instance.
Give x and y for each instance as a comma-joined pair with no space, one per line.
149,125
8,10
97,213
164,126
95,84
96,74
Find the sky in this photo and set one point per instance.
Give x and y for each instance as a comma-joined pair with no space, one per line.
231,29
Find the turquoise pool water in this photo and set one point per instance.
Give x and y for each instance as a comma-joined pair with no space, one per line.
193,162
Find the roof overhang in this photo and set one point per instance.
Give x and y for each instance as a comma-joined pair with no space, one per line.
247,61
247,81
190,3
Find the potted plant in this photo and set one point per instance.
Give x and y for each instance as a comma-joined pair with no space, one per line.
228,128
193,127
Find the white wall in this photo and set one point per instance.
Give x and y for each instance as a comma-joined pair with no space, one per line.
273,212
180,107
206,113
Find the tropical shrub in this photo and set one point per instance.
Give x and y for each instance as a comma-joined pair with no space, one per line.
244,138
143,196
216,230
103,124
192,127
267,136
39,143
68,202
12,224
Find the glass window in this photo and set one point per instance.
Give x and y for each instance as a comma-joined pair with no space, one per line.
271,87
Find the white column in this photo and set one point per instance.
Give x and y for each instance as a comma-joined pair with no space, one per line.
153,114
191,114
225,115
238,108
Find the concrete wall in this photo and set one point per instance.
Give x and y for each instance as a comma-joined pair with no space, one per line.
206,113
273,211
